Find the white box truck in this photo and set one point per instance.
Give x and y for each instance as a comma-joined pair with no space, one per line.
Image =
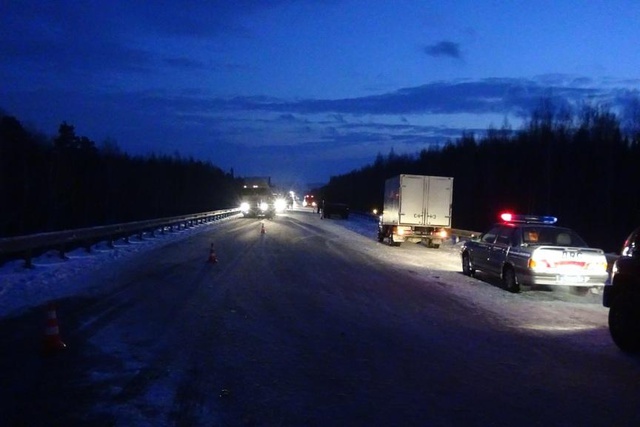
417,208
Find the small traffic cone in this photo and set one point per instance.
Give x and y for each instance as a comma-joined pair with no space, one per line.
262,230
52,340
212,256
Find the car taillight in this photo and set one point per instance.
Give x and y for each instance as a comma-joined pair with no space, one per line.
538,263
404,230
599,266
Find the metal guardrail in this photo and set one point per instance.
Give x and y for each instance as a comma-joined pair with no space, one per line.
27,247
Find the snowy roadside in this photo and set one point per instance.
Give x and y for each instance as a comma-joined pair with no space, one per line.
53,278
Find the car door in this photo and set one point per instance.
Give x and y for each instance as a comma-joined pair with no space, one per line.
481,254
499,250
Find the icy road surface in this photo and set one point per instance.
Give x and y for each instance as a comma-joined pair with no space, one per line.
312,323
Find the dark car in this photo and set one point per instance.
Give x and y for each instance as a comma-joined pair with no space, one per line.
330,209
622,295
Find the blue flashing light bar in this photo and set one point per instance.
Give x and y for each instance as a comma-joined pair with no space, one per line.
540,219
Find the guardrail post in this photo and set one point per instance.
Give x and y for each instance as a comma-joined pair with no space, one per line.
61,253
28,261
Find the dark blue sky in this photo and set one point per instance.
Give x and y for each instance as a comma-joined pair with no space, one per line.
302,90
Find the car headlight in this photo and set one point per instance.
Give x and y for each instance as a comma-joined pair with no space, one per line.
281,205
244,206
264,206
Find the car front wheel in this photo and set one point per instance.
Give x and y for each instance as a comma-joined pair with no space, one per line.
467,270
624,322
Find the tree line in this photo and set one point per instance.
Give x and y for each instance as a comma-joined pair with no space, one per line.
580,167
66,182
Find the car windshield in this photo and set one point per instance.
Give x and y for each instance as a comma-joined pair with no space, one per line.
552,236
259,191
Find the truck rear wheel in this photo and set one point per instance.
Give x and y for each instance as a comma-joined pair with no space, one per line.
428,242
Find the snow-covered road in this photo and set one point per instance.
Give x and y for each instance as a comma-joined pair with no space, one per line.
311,323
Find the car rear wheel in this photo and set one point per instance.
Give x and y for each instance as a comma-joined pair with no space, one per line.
509,280
467,270
624,322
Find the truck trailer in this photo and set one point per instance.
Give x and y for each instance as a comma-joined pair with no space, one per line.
417,208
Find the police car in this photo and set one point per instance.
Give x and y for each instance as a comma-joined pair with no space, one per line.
528,250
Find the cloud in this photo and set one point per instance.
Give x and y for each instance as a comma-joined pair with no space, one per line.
493,95
444,48
337,132
41,41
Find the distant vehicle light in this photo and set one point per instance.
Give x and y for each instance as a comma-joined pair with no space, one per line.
375,211
308,200
281,205
244,206
540,219
264,206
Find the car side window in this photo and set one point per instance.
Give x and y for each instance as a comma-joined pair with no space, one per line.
531,236
516,237
490,236
504,237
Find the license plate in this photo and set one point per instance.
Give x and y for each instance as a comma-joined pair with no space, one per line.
571,279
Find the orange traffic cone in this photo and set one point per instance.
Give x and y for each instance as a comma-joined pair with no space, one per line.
262,230
52,340
212,256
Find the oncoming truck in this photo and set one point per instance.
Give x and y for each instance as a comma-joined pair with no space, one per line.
417,208
257,198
